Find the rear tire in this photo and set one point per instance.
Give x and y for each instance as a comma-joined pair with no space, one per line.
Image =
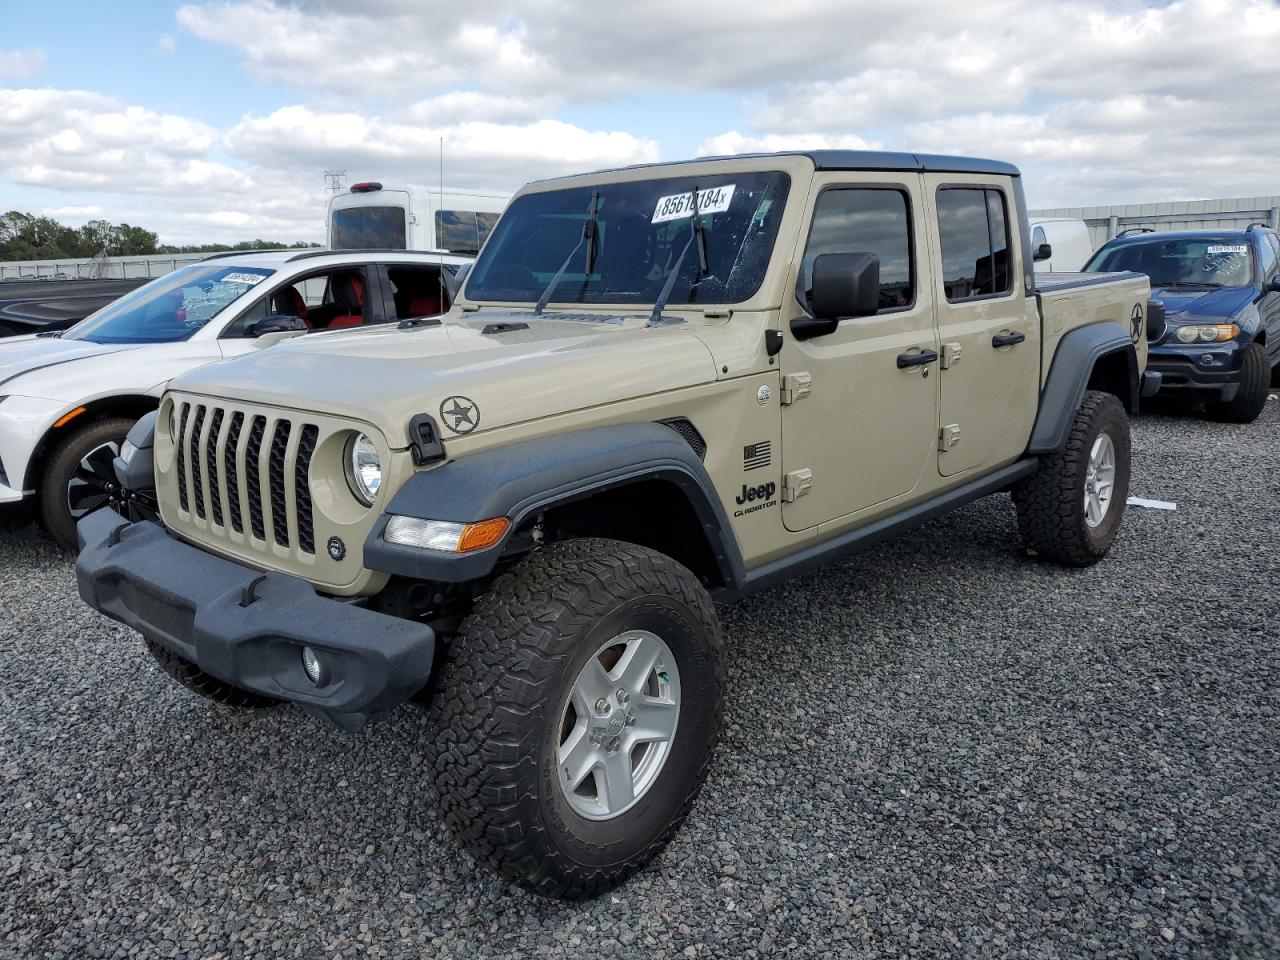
1255,383
516,709
98,440
197,681
1053,504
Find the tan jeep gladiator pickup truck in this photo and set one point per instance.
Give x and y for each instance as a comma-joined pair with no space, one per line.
662,389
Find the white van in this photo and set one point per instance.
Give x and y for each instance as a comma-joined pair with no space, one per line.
370,216
1069,240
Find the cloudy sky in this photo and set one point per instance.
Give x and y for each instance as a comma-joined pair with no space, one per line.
216,120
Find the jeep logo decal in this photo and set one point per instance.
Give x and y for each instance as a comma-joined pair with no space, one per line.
1135,323
763,492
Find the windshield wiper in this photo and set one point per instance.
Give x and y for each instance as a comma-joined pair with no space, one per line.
1191,283
588,237
695,233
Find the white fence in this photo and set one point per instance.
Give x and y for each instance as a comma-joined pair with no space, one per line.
109,268
1229,214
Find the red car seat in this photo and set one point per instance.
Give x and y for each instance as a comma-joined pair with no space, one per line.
424,307
348,290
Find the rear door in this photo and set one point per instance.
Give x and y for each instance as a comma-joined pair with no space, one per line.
989,329
856,424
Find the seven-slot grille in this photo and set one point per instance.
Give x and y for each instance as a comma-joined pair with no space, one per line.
258,461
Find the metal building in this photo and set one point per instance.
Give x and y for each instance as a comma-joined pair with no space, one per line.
1230,214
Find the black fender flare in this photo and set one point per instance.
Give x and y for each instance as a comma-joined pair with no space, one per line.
520,480
1078,352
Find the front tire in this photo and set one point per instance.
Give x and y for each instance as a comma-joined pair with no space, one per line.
1070,510
576,715
1255,381
79,476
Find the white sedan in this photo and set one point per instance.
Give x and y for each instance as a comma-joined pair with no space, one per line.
66,402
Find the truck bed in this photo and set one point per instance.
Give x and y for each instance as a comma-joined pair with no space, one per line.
1071,300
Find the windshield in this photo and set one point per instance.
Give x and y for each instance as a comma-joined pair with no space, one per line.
171,308
369,228
1179,261
641,227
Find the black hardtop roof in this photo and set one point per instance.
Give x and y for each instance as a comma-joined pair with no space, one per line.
857,160
921,162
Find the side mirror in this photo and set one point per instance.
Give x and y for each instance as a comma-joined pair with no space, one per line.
1274,285
276,323
1042,252
844,285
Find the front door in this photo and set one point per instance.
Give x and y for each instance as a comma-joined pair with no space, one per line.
989,329
860,424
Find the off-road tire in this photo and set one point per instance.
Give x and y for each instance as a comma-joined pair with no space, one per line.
496,713
1255,384
65,457
197,681
1050,503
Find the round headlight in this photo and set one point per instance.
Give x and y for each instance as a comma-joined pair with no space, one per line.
1208,334
1187,334
364,468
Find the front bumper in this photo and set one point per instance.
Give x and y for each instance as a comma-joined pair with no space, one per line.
248,628
1197,371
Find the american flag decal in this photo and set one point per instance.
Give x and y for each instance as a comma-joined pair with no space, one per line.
755,455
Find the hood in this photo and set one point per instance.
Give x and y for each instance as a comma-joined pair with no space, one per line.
1209,306
23,355
502,368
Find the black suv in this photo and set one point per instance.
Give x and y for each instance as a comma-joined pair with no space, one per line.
1221,292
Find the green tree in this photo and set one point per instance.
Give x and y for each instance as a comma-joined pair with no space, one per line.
24,236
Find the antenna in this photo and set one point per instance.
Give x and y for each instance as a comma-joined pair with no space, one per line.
335,181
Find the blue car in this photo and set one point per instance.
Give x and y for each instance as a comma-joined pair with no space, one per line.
1221,293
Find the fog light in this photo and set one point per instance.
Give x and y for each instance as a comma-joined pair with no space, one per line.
312,665
1208,360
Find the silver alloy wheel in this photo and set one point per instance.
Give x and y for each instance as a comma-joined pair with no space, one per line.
618,726
94,482
1100,480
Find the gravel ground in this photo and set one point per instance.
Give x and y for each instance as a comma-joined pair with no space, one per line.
936,748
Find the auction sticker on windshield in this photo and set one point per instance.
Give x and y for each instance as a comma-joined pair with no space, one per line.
680,205
249,279
1228,248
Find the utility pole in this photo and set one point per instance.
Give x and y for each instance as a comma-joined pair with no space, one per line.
335,181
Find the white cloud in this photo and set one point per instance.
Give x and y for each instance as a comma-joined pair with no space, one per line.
165,45
21,63
74,214
476,153
262,177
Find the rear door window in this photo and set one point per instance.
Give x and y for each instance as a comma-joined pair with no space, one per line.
417,291
973,226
